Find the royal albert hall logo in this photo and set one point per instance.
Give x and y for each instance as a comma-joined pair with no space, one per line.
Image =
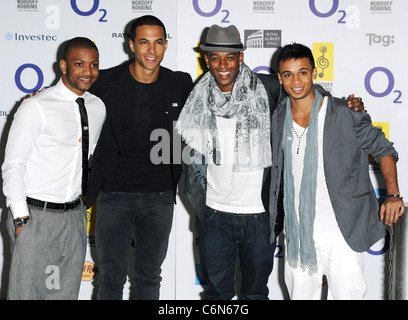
263,38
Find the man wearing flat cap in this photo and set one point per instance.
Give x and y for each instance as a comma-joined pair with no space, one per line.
226,123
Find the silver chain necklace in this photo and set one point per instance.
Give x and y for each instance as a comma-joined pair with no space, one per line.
299,137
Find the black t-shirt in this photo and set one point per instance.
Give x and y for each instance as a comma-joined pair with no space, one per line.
142,110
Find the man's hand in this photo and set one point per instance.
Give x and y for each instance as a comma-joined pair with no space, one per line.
18,229
356,103
391,210
33,94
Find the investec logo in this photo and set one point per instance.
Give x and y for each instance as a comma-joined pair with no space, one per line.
31,37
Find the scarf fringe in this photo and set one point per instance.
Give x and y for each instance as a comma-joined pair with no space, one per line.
299,233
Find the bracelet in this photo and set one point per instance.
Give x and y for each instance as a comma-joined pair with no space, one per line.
392,195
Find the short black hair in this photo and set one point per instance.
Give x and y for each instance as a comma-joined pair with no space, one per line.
147,20
295,51
78,42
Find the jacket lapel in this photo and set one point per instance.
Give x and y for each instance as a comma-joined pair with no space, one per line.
329,125
277,129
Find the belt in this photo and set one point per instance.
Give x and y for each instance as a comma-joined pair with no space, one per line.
51,205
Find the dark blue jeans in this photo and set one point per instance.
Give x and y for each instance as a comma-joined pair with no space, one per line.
229,237
122,217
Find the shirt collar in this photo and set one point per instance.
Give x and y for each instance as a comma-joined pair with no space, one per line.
68,94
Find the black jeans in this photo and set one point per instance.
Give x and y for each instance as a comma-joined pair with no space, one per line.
236,236
122,217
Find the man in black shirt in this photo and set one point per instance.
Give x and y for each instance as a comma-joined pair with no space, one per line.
136,196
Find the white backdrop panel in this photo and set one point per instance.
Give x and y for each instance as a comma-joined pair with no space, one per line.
364,41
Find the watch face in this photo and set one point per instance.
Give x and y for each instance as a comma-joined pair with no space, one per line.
18,222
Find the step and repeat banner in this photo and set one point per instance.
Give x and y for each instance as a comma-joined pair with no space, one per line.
358,45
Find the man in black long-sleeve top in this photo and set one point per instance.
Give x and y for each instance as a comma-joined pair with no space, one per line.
136,195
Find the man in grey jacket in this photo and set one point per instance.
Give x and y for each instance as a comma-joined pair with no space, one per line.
320,149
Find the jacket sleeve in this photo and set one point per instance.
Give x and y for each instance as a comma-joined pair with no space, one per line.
188,85
370,138
272,86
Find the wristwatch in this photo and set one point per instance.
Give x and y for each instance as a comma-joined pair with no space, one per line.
19,222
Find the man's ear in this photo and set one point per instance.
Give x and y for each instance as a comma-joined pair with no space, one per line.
63,66
280,78
132,45
206,59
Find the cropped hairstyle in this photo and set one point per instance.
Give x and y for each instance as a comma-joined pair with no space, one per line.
78,42
295,51
146,20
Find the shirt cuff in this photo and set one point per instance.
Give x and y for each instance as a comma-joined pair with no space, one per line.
19,210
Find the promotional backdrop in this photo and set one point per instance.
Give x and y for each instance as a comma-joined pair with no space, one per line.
358,45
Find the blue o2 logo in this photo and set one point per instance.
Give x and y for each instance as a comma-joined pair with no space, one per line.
384,249
40,78
213,11
262,68
279,250
349,16
91,11
389,86
312,5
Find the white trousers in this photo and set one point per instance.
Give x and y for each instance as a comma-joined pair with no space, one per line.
343,268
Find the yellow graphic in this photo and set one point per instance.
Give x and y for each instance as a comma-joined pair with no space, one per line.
88,273
90,218
323,53
385,126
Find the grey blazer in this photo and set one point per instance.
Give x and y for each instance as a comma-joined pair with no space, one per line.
349,137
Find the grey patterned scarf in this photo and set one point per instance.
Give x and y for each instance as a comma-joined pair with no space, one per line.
248,103
299,234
